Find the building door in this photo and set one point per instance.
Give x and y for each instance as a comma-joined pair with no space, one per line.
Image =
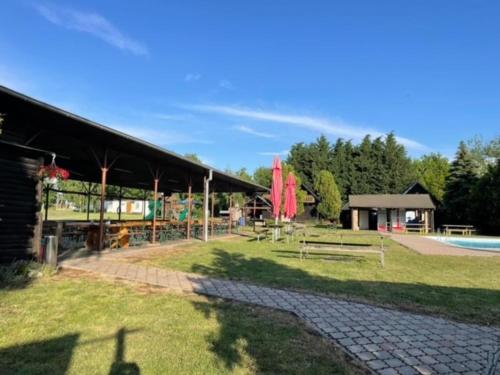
372,220
389,221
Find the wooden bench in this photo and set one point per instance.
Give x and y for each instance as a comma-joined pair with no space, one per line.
464,230
308,244
416,228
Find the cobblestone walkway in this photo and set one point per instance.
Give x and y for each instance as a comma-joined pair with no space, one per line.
388,341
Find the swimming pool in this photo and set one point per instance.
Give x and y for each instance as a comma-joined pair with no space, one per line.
488,244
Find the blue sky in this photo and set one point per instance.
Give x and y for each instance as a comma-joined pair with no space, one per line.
237,82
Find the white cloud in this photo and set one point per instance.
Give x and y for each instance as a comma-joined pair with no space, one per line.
273,153
225,84
159,137
173,117
91,23
249,130
327,126
191,77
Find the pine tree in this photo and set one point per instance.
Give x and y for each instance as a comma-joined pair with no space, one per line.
459,186
397,166
340,167
302,160
364,167
486,201
378,175
330,204
322,154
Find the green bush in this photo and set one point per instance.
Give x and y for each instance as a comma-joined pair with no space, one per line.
22,272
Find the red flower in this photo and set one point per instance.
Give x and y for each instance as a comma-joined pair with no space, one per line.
53,171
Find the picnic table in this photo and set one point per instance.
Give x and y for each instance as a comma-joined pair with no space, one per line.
464,230
260,229
329,246
416,227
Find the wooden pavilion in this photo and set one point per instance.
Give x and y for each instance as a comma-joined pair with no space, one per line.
32,131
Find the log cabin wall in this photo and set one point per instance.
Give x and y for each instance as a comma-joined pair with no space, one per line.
20,204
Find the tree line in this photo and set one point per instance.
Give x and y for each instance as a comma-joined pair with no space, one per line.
466,190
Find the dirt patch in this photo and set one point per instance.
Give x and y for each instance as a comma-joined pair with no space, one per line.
150,254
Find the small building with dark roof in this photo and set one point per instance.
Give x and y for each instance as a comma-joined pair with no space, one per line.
392,212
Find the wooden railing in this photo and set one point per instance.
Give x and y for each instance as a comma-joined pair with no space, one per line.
80,234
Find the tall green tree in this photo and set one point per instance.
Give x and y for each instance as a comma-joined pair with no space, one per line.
397,164
263,176
331,203
432,171
484,152
302,159
364,168
486,201
309,159
460,183
379,169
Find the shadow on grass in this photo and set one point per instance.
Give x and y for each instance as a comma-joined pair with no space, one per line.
53,356
120,366
267,342
465,304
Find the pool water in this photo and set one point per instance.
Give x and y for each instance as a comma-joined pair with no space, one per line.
489,244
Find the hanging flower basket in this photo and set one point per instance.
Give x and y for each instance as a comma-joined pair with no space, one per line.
51,173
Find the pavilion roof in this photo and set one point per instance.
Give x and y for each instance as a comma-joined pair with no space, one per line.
415,201
81,144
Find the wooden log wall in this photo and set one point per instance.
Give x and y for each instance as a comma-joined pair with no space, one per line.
20,204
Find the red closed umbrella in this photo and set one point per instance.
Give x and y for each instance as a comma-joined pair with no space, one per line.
290,196
277,187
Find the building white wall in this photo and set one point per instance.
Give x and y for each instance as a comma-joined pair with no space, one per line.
364,222
136,206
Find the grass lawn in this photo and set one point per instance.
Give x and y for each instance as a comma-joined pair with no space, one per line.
73,215
463,288
75,324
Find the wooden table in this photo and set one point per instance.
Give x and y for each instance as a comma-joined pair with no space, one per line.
464,230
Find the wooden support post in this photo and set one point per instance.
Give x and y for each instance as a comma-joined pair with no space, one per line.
212,216
432,221
206,199
120,204
155,198
354,219
38,229
88,201
189,211
163,205
59,234
254,207
104,174
426,221
230,216
47,190
144,205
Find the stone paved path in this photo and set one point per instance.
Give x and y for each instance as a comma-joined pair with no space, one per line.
388,341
